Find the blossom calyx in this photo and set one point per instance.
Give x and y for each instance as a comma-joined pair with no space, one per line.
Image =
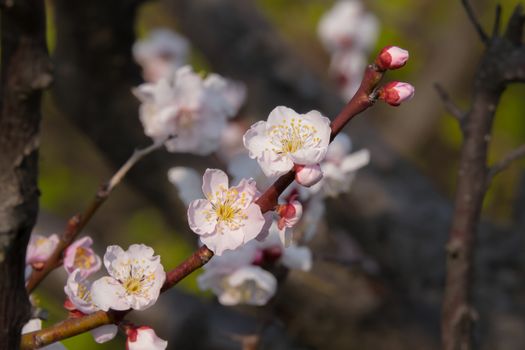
396,92
392,57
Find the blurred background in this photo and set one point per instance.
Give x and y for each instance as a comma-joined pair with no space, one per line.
397,213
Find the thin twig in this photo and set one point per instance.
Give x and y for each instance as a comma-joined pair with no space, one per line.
79,221
450,106
497,22
474,20
505,162
267,201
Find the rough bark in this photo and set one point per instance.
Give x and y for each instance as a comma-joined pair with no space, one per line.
24,73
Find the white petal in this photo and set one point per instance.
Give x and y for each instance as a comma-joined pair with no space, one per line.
198,219
273,164
254,223
355,161
107,293
214,180
255,139
299,258
105,333
146,340
280,113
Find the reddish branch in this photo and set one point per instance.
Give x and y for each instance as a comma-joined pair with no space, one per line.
363,99
503,62
79,221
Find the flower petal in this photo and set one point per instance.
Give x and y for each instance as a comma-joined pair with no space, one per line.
198,217
107,293
214,180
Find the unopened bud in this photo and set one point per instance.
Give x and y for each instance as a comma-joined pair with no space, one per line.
392,57
290,214
308,175
144,338
395,93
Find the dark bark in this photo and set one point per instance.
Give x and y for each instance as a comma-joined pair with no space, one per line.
499,67
24,73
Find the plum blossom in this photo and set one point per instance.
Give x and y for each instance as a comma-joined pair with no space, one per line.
40,249
136,277
79,302
192,109
395,93
347,66
228,217
339,167
247,285
347,25
79,255
288,138
144,338
162,52
35,324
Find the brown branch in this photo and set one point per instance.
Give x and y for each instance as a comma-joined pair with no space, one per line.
79,221
496,71
25,72
450,106
474,20
267,202
505,162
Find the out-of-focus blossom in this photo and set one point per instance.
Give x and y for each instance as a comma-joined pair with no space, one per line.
187,182
79,255
392,57
228,217
40,249
347,25
136,277
104,333
313,213
35,324
161,53
231,141
339,167
288,138
189,108
348,67
247,285
395,93
308,175
144,338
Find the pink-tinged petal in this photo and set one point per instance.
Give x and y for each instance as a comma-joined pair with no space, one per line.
221,242
40,248
77,290
308,175
254,224
255,139
392,57
105,333
81,255
113,253
144,338
309,156
107,293
199,217
248,187
355,161
214,180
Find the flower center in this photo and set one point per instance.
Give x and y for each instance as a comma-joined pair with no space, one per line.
82,259
291,136
133,285
225,212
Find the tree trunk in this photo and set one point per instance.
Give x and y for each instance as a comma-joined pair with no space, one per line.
24,73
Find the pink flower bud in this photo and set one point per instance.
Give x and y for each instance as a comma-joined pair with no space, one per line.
308,175
290,214
395,93
392,57
144,338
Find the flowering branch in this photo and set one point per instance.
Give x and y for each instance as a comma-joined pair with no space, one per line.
79,221
363,99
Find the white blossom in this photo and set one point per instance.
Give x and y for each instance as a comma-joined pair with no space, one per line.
136,277
228,217
40,249
187,107
288,138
